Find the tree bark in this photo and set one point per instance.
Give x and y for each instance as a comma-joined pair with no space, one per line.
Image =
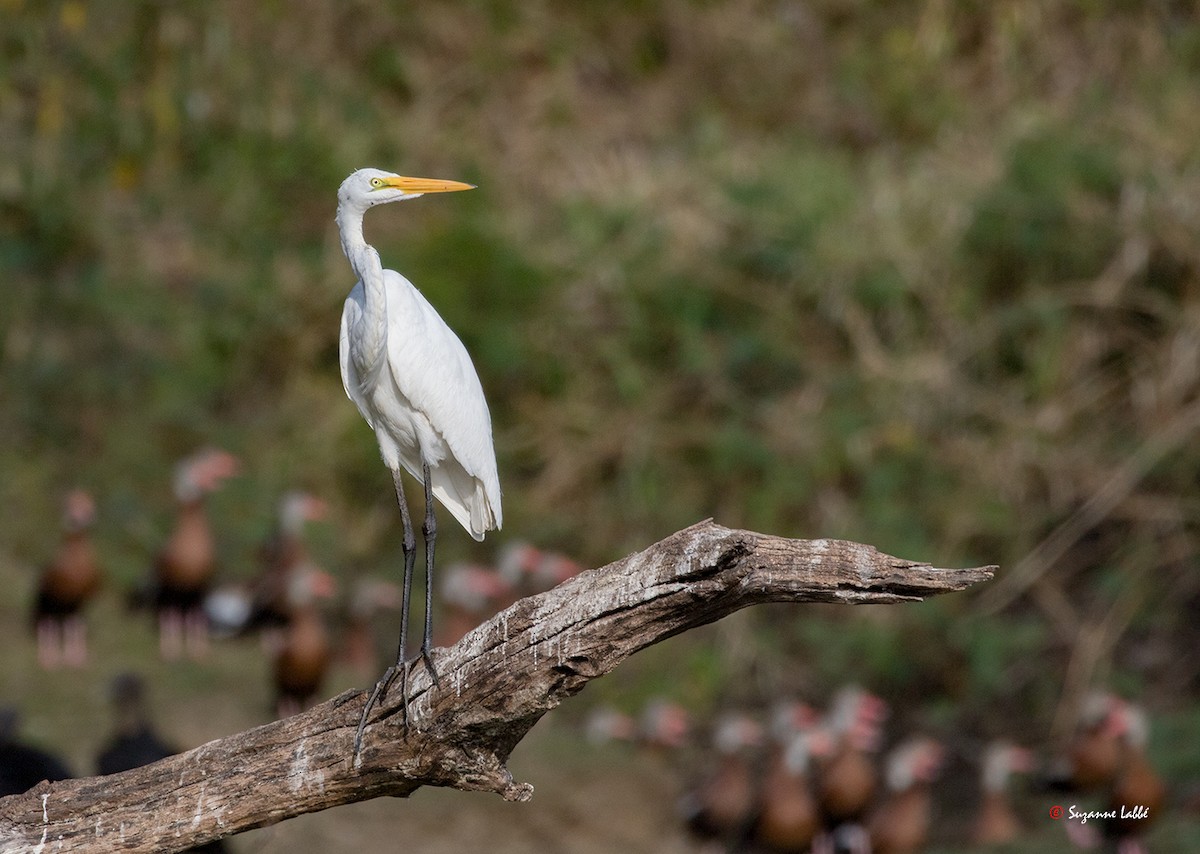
495,684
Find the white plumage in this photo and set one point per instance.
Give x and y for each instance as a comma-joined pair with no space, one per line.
425,403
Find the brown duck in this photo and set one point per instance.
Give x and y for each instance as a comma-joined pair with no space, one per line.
996,822
306,650
183,570
900,825
66,585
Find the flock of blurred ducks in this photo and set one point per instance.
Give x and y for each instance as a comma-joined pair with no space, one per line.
800,781
285,603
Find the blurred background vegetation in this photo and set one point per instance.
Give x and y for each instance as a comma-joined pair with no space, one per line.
921,275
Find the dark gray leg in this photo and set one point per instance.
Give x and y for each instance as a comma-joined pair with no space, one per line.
400,668
409,547
430,531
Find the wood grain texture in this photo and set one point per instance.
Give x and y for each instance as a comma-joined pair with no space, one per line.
495,684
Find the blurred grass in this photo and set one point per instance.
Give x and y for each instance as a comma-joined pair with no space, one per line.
923,276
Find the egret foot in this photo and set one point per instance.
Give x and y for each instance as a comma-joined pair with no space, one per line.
385,683
427,657
380,692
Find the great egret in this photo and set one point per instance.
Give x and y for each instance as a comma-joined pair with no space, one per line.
413,382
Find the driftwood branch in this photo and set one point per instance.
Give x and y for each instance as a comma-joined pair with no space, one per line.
495,684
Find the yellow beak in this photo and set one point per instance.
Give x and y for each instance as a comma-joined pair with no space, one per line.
426,185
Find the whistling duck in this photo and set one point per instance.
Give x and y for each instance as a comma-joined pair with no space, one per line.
22,766
65,586
722,806
1091,759
847,779
261,604
185,566
305,652
470,594
606,724
788,817
283,553
134,742
900,825
368,597
552,570
530,570
1138,794
997,822
664,725
516,564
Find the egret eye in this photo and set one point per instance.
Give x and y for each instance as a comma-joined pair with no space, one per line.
376,183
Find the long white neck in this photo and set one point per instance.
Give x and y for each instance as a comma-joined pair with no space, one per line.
364,260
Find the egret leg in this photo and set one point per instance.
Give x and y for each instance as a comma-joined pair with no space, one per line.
430,531
400,668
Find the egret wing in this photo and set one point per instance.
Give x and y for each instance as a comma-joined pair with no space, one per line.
352,313
431,369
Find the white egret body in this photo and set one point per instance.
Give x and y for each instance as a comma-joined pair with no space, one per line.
412,380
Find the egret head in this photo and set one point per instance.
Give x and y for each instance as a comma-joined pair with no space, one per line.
366,188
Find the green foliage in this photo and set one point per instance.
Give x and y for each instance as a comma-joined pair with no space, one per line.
1051,218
